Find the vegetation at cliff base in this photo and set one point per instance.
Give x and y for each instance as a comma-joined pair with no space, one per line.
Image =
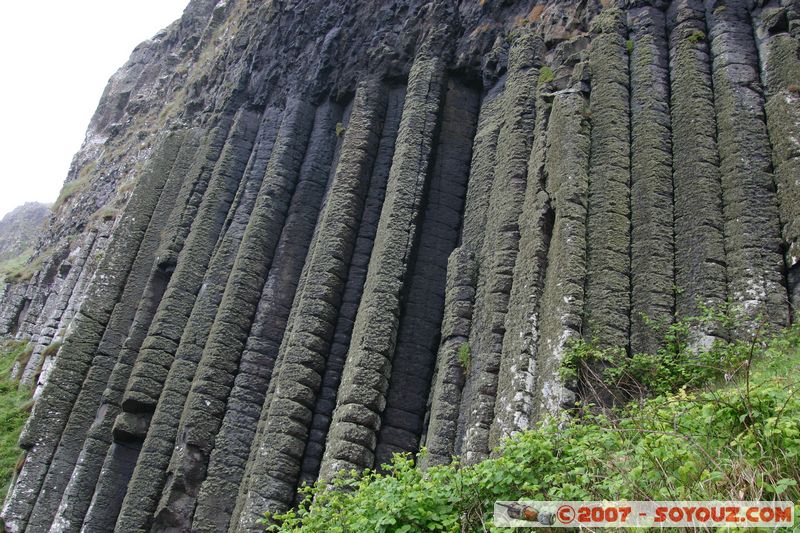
14,407
723,424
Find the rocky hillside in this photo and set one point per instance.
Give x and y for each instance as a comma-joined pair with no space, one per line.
19,231
303,235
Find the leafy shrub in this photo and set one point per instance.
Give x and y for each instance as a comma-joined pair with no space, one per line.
739,441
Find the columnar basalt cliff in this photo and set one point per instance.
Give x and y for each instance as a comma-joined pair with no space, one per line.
303,236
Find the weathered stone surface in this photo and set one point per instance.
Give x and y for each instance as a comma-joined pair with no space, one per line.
752,228
275,302
418,334
49,417
780,75
498,251
462,273
652,250
278,448
700,278
365,378
227,461
109,351
608,260
326,400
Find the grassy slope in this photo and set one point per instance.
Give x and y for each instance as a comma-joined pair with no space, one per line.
13,411
737,437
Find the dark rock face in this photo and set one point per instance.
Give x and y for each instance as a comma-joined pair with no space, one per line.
334,231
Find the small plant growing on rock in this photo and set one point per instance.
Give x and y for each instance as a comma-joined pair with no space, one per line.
696,36
629,46
464,356
546,75
340,129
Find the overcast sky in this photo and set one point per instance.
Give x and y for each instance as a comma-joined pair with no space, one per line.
55,59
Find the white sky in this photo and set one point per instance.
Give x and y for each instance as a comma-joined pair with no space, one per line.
55,59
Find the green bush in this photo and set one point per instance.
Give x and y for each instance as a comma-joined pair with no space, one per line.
737,440
677,363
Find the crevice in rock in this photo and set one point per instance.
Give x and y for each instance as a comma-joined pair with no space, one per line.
418,334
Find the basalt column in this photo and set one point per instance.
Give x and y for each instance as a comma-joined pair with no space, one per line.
561,307
282,162
450,371
78,493
226,153
51,413
278,451
515,379
652,248
207,399
462,273
418,336
608,283
217,495
752,228
357,275
365,381
779,52
498,253
700,278
111,488
117,463
90,397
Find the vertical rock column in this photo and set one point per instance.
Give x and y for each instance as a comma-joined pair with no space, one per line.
49,417
499,248
779,52
515,379
482,168
562,300
278,451
752,227
652,246
462,273
608,283
365,380
700,277
351,298
130,429
148,478
217,496
84,411
158,349
418,336
78,493
214,377
167,328
76,260
120,457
